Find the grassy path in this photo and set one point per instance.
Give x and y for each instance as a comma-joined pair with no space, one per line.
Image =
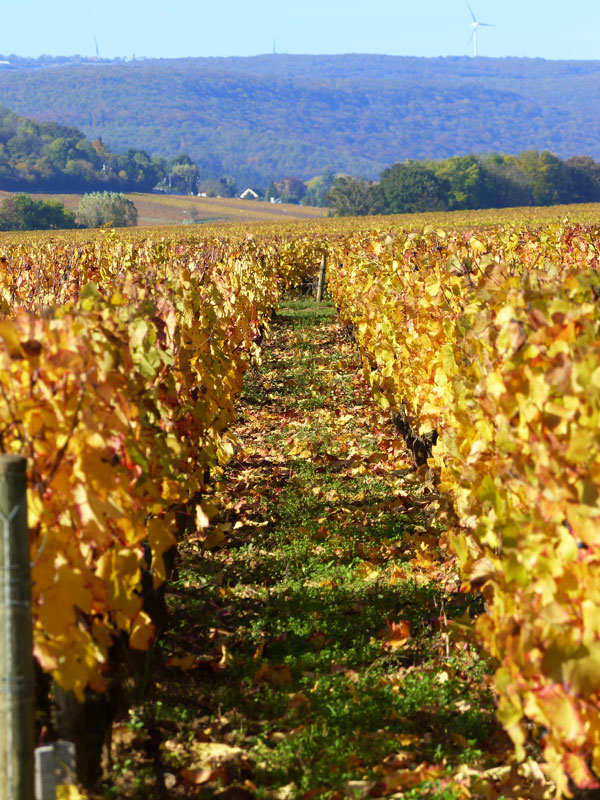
311,652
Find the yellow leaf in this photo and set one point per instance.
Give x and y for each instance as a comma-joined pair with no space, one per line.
226,657
559,712
579,772
10,335
397,574
495,384
213,539
142,632
366,571
68,792
204,513
476,245
184,663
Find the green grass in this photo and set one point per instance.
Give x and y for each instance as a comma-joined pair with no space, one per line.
289,631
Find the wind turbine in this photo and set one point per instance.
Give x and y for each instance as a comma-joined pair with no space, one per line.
474,25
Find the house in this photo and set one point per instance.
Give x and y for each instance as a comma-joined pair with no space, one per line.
250,194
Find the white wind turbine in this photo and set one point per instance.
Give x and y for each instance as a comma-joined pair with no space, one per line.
474,25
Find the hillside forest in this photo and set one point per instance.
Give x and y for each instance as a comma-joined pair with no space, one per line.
265,117
48,156
51,157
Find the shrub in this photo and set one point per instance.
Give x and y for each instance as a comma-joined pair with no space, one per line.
107,208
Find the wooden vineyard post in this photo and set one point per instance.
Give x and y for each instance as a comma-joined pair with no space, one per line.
321,282
16,638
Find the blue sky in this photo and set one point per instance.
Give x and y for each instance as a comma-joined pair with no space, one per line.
554,29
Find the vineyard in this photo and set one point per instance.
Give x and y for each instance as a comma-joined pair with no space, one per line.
435,460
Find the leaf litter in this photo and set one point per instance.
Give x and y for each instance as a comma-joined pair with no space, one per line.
319,638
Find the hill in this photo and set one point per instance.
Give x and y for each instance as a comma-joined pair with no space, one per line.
162,210
47,155
267,116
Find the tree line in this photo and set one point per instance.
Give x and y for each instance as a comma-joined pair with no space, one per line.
531,178
46,156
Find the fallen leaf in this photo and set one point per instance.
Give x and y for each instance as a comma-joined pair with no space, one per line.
297,700
226,657
278,675
366,571
397,634
184,663
204,513
287,792
196,777
213,539
357,789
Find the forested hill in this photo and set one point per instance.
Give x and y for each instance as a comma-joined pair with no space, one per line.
49,156
267,116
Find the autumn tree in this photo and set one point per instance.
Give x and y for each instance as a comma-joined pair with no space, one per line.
291,189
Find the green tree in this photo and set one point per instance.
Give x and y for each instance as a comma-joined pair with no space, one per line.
104,208
466,182
545,174
182,174
412,186
318,189
353,197
271,190
508,185
583,176
23,213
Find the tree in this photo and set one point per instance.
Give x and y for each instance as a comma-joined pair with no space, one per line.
508,185
412,186
271,191
467,184
22,213
106,208
353,197
291,189
318,189
182,174
218,187
583,176
545,174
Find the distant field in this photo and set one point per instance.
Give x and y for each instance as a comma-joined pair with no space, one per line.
172,209
168,215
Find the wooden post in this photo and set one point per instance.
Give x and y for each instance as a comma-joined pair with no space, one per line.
321,282
16,638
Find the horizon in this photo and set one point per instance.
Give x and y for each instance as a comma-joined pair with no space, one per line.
435,29
130,59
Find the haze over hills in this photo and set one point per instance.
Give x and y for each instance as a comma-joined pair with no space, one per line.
264,117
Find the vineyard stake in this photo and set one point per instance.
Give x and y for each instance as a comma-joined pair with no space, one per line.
16,645
321,278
